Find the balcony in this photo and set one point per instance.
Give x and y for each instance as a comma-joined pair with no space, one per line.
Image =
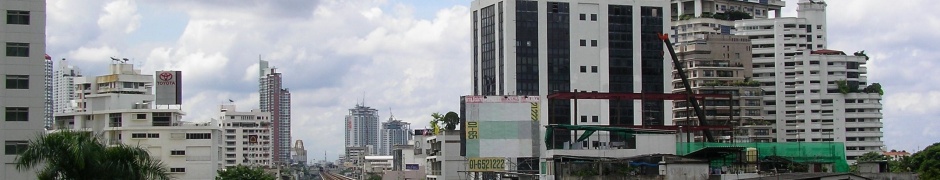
864,134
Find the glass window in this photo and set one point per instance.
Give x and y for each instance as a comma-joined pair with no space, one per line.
583,17
17,17
593,17
15,147
17,114
17,82
15,49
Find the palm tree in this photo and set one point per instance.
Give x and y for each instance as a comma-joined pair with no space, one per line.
79,155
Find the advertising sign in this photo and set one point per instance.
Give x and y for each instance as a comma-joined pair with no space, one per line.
169,88
411,166
252,139
473,130
487,164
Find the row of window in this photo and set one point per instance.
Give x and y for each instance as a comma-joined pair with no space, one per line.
14,147
145,135
583,17
593,43
16,113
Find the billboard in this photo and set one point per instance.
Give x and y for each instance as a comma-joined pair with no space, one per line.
500,126
411,167
169,88
487,164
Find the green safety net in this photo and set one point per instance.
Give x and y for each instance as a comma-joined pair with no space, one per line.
800,152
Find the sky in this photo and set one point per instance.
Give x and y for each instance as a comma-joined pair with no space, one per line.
411,58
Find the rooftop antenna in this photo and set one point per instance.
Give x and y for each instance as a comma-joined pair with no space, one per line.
363,98
391,116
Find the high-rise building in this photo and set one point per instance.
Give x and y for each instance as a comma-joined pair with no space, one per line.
276,100
47,84
22,96
394,132
813,93
362,128
63,88
119,107
721,64
247,137
531,48
299,153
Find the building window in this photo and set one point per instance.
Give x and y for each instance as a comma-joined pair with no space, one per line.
178,170
593,43
594,69
17,81
583,42
15,49
198,136
594,119
593,17
583,118
17,17
178,153
582,17
141,116
584,69
15,147
17,114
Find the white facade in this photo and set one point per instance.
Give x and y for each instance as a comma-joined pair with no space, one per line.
394,132
799,77
64,87
299,153
755,8
23,36
443,156
117,106
47,83
247,137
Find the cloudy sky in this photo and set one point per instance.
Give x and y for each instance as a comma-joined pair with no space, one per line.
412,56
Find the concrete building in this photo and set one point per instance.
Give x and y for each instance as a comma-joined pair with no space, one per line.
64,87
721,64
276,100
362,128
802,81
118,106
501,129
531,48
48,83
698,8
299,153
394,132
247,137
443,156
22,68
377,164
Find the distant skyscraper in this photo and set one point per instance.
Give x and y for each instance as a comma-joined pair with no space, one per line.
63,88
362,128
276,100
47,85
394,132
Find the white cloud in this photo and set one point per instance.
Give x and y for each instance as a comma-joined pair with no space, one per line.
120,15
94,54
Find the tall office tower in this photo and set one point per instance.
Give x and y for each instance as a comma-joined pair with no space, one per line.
539,48
811,92
721,64
362,128
394,132
22,95
47,85
247,137
276,100
64,87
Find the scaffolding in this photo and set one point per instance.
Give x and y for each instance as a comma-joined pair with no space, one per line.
769,155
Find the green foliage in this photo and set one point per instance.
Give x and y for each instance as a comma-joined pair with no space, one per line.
926,163
872,157
241,172
80,155
451,120
706,15
686,17
874,88
843,87
373,176
586,172
436,121
732,15
862,53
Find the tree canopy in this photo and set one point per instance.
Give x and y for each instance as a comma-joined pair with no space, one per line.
241,172
926,163
80,155
451,121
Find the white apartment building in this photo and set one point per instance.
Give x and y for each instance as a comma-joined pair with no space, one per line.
247,137
443,156
118,107
800,78
394,132
756,8
23,36
64,87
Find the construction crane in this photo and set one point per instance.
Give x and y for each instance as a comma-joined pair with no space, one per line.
690,97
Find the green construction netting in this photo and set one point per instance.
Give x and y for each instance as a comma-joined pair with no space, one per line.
801,152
